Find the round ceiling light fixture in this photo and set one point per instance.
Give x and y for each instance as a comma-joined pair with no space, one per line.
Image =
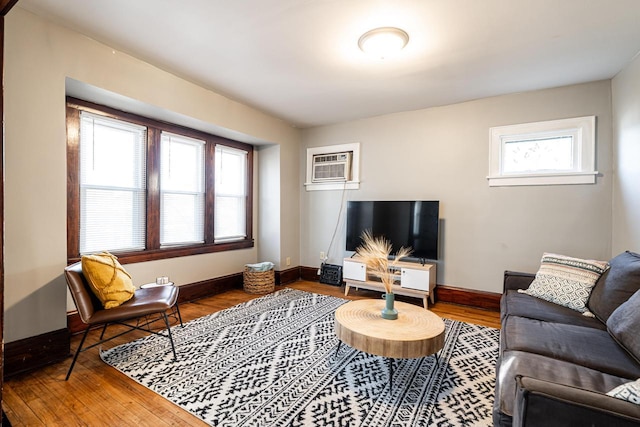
383,41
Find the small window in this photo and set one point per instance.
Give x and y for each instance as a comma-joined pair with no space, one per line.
543,153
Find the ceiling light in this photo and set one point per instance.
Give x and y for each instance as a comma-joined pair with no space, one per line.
383,41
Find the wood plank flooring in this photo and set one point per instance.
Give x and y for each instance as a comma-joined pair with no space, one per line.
98,395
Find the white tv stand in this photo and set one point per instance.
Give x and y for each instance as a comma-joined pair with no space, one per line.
412,279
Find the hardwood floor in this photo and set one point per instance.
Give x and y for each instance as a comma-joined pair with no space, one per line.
98,395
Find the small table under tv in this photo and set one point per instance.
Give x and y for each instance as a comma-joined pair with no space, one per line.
415,280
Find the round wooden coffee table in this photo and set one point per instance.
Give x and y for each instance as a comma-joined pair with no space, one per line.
416,332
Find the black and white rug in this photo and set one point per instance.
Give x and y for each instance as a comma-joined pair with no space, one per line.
273,361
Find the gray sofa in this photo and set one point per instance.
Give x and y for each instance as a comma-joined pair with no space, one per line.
555,365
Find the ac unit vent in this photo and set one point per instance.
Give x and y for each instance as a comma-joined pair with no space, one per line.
331,167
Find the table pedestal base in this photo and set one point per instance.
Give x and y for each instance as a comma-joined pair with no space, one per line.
390,361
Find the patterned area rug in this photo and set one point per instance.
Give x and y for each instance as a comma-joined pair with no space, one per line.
273,361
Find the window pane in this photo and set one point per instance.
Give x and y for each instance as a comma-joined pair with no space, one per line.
112,184
182,190
548,154
182,219
230,218
230,204
182,163
110,220
230,171
112,152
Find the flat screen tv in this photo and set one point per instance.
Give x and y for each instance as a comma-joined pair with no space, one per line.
404,223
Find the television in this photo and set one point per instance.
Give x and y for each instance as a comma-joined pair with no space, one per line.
404,223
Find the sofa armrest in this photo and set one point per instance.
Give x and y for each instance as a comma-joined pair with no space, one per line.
515,280
546,404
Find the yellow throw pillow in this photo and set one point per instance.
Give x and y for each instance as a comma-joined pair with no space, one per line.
108,280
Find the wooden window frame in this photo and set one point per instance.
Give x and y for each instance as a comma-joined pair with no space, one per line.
152,250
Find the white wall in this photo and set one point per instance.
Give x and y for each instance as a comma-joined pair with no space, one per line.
626,185
442,154
39,55
269,206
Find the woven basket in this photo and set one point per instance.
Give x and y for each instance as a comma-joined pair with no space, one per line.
259,282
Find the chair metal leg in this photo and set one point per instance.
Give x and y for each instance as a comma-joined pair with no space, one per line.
145,325
75,357
173,347
86,332
104,329
177,307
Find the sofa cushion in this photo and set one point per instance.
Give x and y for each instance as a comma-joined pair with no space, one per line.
588,347
514,363
515,303
624,324
616,285
566,281
628,391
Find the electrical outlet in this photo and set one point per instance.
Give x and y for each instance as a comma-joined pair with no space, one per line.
288,261
322,255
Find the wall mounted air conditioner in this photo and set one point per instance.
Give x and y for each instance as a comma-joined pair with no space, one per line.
331,167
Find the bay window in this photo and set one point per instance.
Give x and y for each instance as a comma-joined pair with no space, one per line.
147,190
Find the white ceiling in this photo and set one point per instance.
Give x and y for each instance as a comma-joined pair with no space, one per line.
299,59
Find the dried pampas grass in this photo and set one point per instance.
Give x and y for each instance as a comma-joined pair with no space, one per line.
375,253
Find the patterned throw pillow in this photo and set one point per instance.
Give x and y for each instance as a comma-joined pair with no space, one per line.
566,281
627,391
108,280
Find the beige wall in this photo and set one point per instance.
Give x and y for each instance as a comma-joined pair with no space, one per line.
626,185
442,154
39,55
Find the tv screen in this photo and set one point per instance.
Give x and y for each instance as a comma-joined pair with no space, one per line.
404,223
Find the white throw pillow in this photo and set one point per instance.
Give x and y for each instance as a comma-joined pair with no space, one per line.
566,281
627,391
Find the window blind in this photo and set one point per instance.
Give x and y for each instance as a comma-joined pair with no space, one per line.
182,190
112,184
231,194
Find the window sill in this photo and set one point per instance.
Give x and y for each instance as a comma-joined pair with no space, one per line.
175,252
546,179
349,185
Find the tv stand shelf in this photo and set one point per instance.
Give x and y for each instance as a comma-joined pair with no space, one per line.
413,279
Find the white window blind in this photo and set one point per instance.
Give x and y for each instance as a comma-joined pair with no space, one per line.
182,189
231,194
112,184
